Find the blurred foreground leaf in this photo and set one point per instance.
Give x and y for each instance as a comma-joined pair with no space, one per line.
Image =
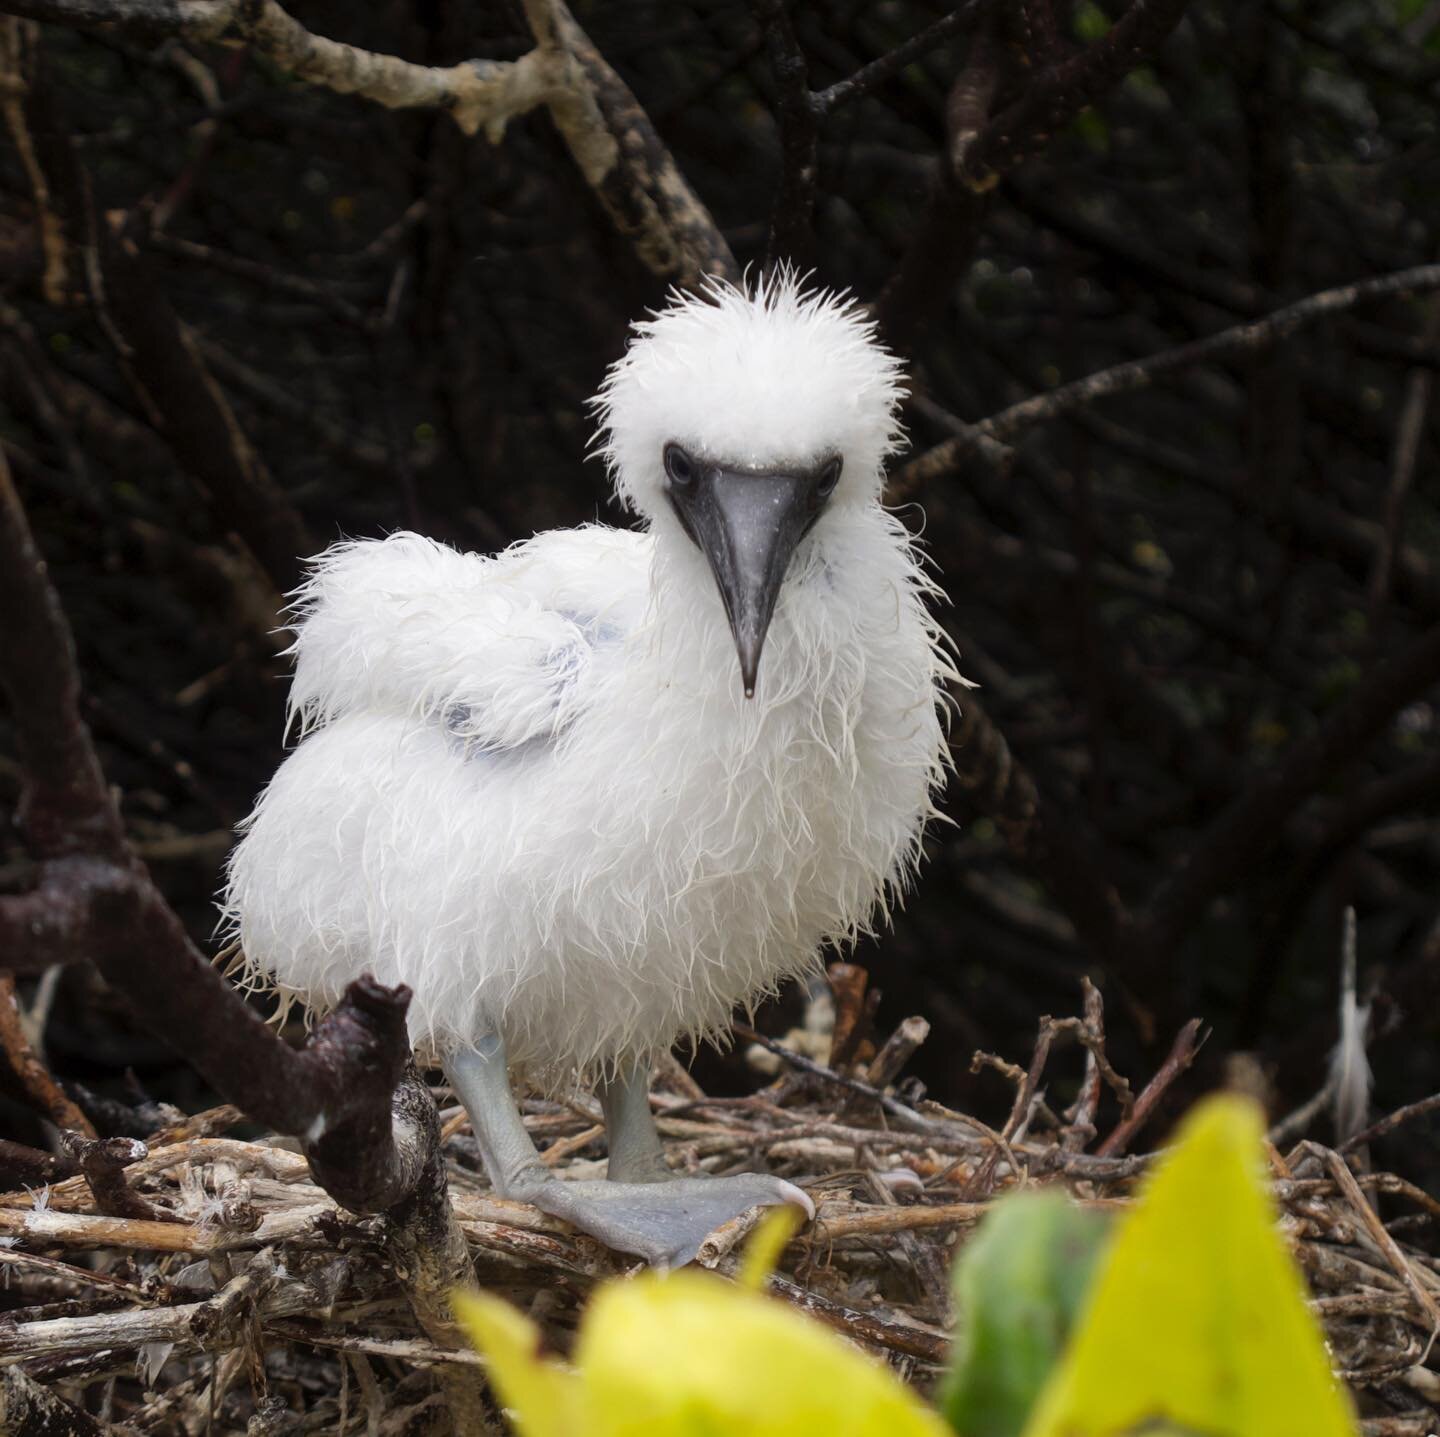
1197,1319
690,1355
1019,1284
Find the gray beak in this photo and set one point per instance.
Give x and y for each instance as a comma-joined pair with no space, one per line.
747,524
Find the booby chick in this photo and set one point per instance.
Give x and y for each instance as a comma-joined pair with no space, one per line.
535,788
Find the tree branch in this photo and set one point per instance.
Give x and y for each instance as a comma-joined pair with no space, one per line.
799,112
1056,95
476,93
623,159
1139,373
611,139
871,76
94,899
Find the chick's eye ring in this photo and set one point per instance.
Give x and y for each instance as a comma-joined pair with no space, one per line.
678,464
829,477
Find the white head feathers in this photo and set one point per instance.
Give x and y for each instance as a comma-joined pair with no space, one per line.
779,377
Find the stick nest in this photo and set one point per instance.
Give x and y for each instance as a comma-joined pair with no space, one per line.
202,1283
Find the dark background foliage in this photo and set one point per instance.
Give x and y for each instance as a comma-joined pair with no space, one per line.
1175,600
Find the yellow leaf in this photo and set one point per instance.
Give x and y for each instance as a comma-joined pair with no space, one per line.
1197,1317
543,1396
687,1355
766,1243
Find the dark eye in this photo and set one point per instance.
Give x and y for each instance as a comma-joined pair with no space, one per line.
829,478
678,464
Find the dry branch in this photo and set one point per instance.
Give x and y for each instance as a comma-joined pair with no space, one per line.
305,1279
1260,334
612,141
94,900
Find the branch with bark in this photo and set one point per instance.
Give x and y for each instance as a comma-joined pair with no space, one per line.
612,141
93,899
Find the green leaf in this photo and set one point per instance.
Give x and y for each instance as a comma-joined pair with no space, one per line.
1197,1318
1019,1284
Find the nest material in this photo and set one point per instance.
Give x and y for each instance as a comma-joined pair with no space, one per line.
233,1295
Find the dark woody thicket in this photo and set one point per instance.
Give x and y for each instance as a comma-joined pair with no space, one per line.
241,315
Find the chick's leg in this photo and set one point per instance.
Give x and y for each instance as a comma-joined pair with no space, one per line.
663,1222
636,1155
482,1079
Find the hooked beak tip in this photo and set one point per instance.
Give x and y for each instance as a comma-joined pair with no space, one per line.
749,654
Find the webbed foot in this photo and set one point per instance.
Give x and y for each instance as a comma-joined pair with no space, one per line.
663,1222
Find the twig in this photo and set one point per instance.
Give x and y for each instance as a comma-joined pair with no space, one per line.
30,1071
1294,1123
900,1219
1408,433
848,982
896,1336
898,1110
1391,1121
897,1050
1134,374
1345,1179
1080,1117
869,77
1182,1053
102,1163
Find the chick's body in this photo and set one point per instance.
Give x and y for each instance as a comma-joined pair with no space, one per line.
532,787
656,851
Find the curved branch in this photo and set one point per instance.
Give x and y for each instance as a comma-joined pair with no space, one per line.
476,93
94,899
608,134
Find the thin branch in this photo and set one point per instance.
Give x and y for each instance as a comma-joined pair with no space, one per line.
877,72
1182,1053
1391,1121
1056,95
791,230
1408,433
622,158
29,1068
1140,373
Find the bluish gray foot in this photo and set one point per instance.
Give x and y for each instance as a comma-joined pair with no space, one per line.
663,1222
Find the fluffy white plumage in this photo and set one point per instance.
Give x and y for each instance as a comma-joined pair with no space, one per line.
531,787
